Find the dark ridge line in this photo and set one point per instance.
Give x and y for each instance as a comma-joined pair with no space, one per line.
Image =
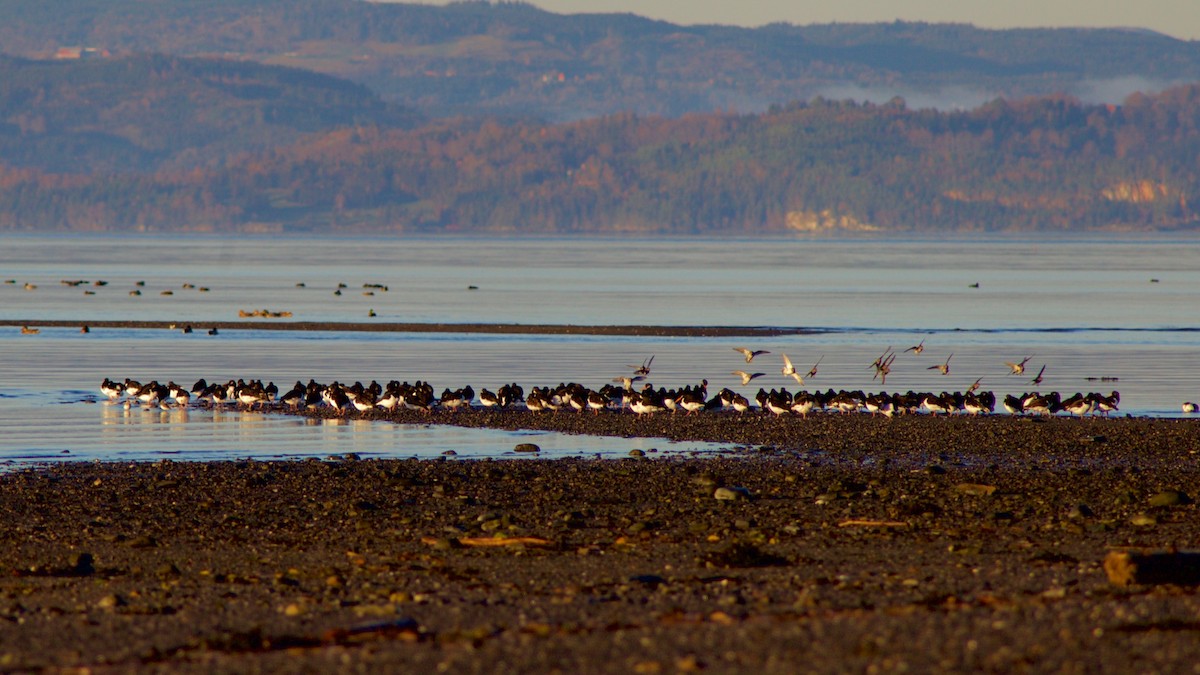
484,328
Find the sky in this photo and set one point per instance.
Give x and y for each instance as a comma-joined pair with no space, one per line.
1177,18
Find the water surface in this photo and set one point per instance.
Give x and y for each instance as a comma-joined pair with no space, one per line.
1100,315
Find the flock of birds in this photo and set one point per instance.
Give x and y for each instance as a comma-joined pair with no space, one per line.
626,393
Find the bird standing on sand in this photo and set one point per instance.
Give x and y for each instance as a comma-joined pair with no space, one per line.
943,368
746,377
750,354
1017,368
790,371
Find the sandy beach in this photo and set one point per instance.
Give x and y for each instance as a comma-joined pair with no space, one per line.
831,544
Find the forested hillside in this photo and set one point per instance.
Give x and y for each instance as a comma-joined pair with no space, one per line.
511,58
348,162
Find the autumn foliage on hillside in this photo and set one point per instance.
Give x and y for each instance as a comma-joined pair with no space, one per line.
1047,164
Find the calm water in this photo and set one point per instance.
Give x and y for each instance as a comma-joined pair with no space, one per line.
1120,309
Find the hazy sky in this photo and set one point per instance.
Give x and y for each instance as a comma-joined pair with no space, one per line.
1177,18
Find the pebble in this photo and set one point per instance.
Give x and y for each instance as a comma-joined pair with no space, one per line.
110,602
1080,511
526,447
637,453
1170,498
731,493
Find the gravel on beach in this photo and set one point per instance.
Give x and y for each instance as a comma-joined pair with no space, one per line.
832,544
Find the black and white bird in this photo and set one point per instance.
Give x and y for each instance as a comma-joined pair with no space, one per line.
750,354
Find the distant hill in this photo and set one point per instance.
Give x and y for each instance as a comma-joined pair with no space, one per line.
514,59
151,112
156,143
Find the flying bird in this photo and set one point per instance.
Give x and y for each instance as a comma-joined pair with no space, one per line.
812,372
790,371
1038,379
880,359
943,368
917,348
884,367
746,377
1017,368
643,369
627,382
750,354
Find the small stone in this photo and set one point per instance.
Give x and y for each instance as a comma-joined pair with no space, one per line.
83,564
637,453
1170,498
975,489
1143,520
526,447
731,493
1080,511
110,602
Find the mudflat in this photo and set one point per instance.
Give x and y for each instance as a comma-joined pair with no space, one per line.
830,544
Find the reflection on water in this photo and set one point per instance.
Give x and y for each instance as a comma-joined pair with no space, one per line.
1100,315
69,432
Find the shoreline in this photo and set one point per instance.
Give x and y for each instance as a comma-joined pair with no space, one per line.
830,544
393,327
1146,441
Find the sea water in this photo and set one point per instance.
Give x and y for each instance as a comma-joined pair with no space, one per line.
1100,315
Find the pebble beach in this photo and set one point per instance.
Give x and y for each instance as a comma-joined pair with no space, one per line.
828,544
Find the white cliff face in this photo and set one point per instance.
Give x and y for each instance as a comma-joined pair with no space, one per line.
826,221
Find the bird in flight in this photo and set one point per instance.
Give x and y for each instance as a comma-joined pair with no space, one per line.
746,377
1017,368
1038,379
750,354
643,369
812,372
975,385
917,348
943,368
880,359
626,382
883,366
790,371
